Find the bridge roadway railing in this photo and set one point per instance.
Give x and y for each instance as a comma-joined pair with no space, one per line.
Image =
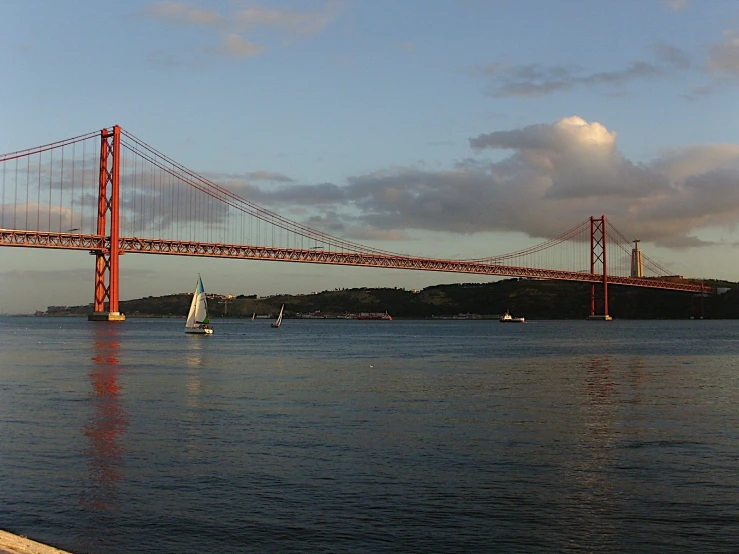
98,243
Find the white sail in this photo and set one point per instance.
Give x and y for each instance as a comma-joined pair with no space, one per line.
197,318
279,318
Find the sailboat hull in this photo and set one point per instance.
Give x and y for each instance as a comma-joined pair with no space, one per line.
199,331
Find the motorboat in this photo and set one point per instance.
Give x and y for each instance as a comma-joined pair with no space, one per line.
508,318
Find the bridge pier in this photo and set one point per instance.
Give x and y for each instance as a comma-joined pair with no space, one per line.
106,316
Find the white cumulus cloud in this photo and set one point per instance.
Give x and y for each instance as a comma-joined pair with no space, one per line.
556,175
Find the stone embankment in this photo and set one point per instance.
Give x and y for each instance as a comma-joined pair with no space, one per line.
15,544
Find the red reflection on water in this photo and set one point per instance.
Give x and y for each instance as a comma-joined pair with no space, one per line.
599,380
108,422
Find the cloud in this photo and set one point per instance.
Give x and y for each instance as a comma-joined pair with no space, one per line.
536,80
556,174
679,164
232,26
334,223
724,56
179,12
233,45
238,180
268,176
698,91
323,193
676,5
301,23
304,23
672,55
580,158
37,216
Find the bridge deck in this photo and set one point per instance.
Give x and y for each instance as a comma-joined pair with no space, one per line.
98,243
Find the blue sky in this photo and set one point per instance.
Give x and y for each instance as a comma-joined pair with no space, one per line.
501,123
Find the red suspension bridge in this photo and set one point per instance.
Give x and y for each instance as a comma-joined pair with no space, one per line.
110,193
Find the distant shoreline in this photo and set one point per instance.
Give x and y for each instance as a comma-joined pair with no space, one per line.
532,299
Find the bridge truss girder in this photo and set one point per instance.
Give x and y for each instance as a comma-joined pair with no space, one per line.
134,245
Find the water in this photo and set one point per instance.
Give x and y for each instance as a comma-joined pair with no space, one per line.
348,436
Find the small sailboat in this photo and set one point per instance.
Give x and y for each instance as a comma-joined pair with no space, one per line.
253,316
278,321
197,319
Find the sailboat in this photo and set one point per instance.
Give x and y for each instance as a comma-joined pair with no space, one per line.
279,318
253,316
197,319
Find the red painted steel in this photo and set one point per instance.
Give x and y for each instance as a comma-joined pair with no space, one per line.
114,220
217,250
106,259
598,242
592,264
605,269
107,244
101,262
44,239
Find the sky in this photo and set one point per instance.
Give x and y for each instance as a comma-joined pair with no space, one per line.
445,128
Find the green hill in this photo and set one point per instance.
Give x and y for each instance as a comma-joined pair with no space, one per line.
534,299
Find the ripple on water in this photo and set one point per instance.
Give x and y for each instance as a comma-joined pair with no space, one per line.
452,436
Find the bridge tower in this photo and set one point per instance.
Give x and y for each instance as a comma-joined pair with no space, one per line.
637,267
598,256
106,259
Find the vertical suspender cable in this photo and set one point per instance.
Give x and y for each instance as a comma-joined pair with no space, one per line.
71,208
150,188
82,184
28,186
3,223
15,197
161,193
51,176
61,192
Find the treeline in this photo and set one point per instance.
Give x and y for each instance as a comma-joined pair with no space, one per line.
532,299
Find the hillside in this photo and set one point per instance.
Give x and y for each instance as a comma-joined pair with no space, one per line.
530,298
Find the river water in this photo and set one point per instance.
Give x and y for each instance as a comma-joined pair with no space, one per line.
351,436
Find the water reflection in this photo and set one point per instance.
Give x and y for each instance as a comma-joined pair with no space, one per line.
592,466
599,383
599,410
637,376
194,356
194,363
108,422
